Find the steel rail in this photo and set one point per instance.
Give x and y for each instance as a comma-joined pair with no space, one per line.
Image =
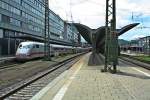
39,76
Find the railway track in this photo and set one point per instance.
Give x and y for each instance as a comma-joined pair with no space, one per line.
131,61
28,88
135,62
12,64
8,63
8,66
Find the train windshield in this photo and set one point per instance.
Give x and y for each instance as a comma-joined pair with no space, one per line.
25,46
20,45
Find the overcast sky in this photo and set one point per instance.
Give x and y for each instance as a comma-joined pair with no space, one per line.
92,14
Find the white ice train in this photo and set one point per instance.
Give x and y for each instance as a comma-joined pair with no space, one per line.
30,50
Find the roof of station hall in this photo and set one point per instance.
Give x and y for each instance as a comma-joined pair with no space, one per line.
86,31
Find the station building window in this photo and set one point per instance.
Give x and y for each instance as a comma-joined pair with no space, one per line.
9,8
33,19
0,17
1,33
17,1
5,19
15,22
8,33
15,10
34,10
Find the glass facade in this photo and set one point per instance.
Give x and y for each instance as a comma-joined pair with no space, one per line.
15,22
29,7
72,33
9,8
56,26
27,17
30,15
17,1
33,12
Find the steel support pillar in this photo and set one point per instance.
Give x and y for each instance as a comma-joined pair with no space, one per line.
111,38
47,32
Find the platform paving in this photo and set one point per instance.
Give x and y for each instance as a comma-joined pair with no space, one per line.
83,82
6,58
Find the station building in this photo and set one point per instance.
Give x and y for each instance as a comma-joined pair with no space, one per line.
27,18
145,44
141,45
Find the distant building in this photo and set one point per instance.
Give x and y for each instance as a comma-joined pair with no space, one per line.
141,45
145,44
26,18
85,44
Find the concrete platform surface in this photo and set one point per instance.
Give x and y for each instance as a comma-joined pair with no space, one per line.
133,53
6,58
83,82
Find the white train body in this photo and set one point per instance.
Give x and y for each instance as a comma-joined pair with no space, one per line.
31,50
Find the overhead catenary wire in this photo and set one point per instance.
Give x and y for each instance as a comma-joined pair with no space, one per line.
138,17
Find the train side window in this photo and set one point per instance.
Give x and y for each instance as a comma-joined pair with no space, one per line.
37,46
33,46
28,46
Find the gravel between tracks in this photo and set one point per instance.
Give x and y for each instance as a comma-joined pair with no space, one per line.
18,73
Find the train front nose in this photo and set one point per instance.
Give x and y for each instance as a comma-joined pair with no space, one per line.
22,54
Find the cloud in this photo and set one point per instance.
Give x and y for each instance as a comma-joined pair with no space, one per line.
136,37
92,12
87,12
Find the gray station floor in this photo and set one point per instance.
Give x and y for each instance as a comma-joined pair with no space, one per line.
6,57
87,82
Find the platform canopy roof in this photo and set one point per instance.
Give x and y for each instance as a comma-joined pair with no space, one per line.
86,31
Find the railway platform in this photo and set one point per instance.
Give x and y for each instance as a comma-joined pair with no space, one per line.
6,58
86,82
